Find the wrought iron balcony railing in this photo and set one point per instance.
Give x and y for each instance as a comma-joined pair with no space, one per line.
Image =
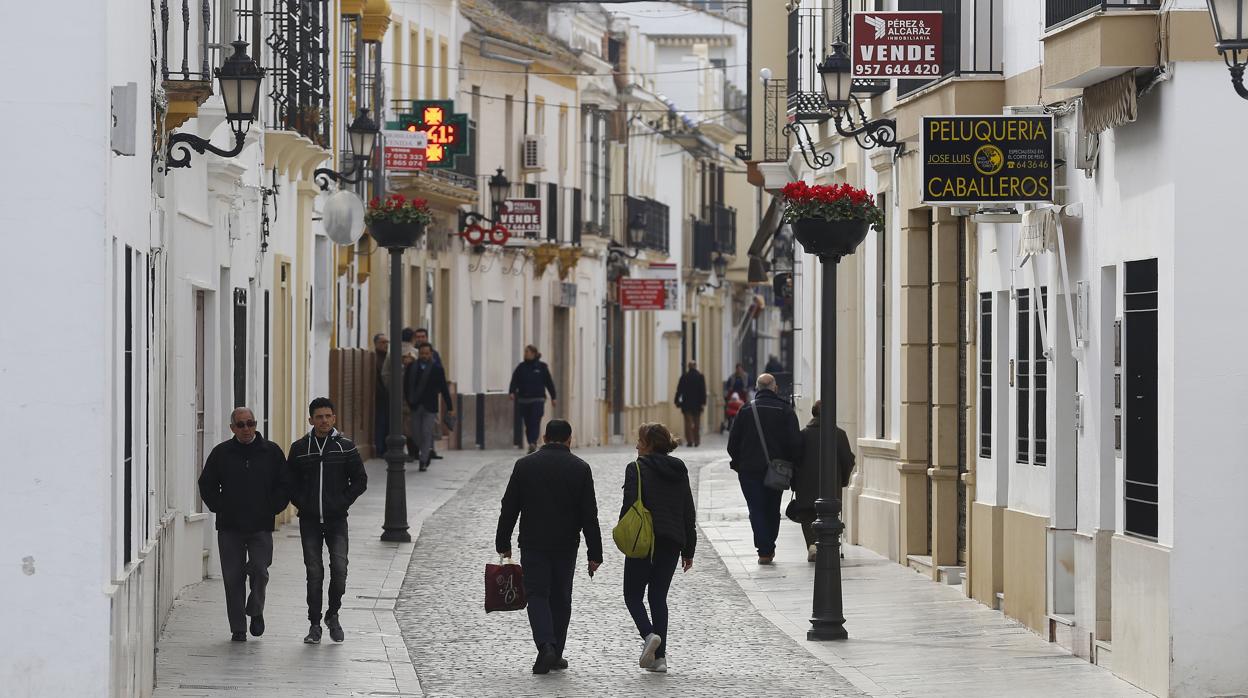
645,223
187,58
723,220
299,67
1059,12
971,39
703,244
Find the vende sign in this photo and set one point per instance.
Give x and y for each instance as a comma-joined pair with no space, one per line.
896,44
405,150
646,294
522,217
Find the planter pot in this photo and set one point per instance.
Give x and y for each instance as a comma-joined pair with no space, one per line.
396,235
822,237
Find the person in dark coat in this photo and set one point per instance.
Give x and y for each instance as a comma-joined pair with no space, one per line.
806,476
737,383
324,476
551,492
529,384
424,382
665,491
421,336
381,395
691,399
242,484
745,447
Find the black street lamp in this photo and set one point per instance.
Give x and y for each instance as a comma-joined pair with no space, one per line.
1230,27
362,135
719,267
500,187
637,230
838,86
239,79
470,222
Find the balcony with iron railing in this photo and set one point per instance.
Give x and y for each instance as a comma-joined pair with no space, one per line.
1087,42
1059,12
971,40
811,33
646,223
297,60
185,56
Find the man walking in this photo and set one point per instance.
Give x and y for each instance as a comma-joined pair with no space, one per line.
242,484
425,383
421,336
552,493
381,395
529,384
324,477
691,399
777,423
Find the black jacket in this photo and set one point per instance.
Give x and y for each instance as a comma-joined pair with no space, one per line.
806,475
552,493
242,484
784,435
691,392
325,476
434,386
531,380
666,493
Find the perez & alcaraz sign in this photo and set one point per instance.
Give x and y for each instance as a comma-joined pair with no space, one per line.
987,159
897,44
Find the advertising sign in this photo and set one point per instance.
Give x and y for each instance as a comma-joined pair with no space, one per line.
404,150
646,294
896,44
987,159
522,217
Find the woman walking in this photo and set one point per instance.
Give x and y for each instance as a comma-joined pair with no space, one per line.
666,493
806,478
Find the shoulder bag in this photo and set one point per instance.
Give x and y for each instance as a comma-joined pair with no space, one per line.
779,471
634,534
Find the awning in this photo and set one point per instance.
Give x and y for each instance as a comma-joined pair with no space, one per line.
762,241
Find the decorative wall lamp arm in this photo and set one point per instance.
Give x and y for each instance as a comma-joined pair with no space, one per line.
362,134
814,159
239,80
838,83
471,222
1230,29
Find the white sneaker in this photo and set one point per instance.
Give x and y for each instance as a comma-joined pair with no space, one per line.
812,552
659,666
647,653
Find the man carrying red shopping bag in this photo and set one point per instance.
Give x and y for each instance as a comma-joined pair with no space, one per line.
551,492
504,586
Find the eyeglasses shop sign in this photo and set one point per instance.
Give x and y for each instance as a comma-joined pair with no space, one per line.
987,159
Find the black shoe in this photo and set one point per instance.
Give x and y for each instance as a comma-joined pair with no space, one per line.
561,664
257,625
424,466
238,637
314,635
546,659
433,455
335,629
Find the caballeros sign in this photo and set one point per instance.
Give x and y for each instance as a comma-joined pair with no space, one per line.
987,159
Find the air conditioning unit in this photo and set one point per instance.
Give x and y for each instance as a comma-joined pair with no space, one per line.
532,153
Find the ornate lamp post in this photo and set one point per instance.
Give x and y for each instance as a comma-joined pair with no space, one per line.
239,79
1230,27
362,135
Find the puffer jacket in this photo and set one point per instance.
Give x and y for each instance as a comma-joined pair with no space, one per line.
665,491
243,484
324,476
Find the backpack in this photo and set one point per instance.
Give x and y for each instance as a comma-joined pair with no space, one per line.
634,534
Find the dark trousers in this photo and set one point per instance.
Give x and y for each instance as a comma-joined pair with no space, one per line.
245,557
657,575
332,535
531,413
548,589
693,428
764,506
381,424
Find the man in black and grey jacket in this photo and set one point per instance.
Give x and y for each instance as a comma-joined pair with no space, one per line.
424,382
325,475
529,384
745,447
242,484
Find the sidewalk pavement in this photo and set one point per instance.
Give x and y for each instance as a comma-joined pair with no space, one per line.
195,656
908,636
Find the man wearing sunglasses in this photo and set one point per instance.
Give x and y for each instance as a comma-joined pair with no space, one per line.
242,483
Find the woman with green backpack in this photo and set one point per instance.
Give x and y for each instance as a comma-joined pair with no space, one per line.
658,509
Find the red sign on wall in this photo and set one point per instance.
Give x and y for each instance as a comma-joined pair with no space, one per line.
896,44
645,294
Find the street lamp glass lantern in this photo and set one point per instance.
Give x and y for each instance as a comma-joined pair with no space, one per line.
239,79
719,265
837,74
363,134
636,230
500,187
1230,24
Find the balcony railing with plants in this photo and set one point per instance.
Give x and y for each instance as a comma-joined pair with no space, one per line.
971,39
1059,12
299,67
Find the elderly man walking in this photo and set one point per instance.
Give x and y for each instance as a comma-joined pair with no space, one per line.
767,417
691,399
242,483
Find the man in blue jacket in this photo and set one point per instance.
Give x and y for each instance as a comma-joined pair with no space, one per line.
529,384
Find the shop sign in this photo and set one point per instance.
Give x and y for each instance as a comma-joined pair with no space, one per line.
897,44
987,159
647,294
404,150
522,217
446,131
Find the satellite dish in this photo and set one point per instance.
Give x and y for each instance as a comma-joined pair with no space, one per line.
343,217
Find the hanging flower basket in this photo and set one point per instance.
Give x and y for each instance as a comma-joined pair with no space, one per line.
830,220
397,222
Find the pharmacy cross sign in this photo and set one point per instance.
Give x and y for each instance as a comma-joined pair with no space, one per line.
447,132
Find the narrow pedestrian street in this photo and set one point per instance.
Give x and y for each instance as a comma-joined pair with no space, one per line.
415,625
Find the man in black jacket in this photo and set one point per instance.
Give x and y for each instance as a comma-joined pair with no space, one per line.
242,484
691,399
529,384
424,382
325,475
552,493
745,446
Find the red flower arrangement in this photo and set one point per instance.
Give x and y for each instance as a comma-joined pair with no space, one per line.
833,202
397,208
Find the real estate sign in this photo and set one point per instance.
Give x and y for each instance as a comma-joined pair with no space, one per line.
404,150
522,217
987,159
896,44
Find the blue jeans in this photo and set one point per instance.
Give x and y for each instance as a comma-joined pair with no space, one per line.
531,413
640,573
764,505
548,591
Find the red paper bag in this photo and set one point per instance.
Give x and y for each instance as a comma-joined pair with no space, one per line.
504,587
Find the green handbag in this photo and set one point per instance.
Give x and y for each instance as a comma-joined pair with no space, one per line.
634,534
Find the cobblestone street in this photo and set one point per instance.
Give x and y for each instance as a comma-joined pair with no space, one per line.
719,644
